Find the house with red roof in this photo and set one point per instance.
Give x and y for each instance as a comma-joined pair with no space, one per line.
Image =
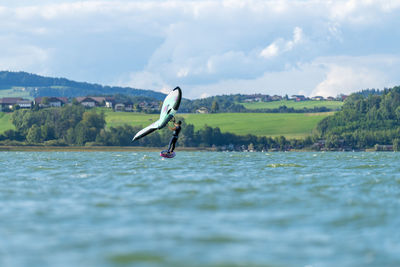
8,103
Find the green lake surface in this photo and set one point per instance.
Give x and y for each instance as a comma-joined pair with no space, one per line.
199,209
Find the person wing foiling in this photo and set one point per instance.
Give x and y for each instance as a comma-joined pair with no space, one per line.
175,135
169,108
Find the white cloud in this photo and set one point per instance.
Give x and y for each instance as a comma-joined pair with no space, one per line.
350,74
298,80
183,72
326,76
210,47
146,80
297,39
347,80
270,51
282,46
204,95
361,12
22,56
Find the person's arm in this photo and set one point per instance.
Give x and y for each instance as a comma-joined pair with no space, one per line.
172,129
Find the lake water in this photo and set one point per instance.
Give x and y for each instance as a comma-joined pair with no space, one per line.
199,209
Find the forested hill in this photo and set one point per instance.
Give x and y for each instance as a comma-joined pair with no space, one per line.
364,121
45,86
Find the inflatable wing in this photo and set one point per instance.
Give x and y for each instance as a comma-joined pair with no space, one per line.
168,110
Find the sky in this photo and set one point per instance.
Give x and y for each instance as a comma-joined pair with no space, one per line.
207,47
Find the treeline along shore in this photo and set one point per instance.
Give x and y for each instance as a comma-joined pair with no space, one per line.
74,125
366,121
41,147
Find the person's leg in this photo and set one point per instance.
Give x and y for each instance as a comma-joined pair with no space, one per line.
170,144
173,144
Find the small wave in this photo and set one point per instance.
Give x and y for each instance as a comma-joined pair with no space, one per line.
195,181
278,165
124,173
136,185
244,189
102,205
145,157
219,239
208,206
366,166
43,168
136,257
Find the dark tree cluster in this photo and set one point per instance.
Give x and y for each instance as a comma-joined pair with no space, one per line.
75,125
364,121
204,137
70,125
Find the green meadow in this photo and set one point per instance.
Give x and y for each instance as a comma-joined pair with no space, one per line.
290,125
292,104
5,122
114,119
15,92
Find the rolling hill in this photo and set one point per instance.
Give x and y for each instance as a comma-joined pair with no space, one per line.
17,84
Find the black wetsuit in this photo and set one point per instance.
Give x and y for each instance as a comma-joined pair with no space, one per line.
174,139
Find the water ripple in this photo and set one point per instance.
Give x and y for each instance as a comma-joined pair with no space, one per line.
199,209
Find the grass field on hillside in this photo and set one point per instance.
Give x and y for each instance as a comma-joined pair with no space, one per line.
5,122
114,119
15,92
291,125
292,104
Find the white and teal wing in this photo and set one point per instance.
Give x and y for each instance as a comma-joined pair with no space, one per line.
169,108
145,131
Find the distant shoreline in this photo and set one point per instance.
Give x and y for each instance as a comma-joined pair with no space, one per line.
96,148
147,149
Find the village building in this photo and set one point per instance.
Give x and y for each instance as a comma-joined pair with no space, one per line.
266,98
123,106
8,103
276,98
95,101
254,99
149,106
119,107
298,98
202,110
24,103
129,106
87,102
317,98
50,101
